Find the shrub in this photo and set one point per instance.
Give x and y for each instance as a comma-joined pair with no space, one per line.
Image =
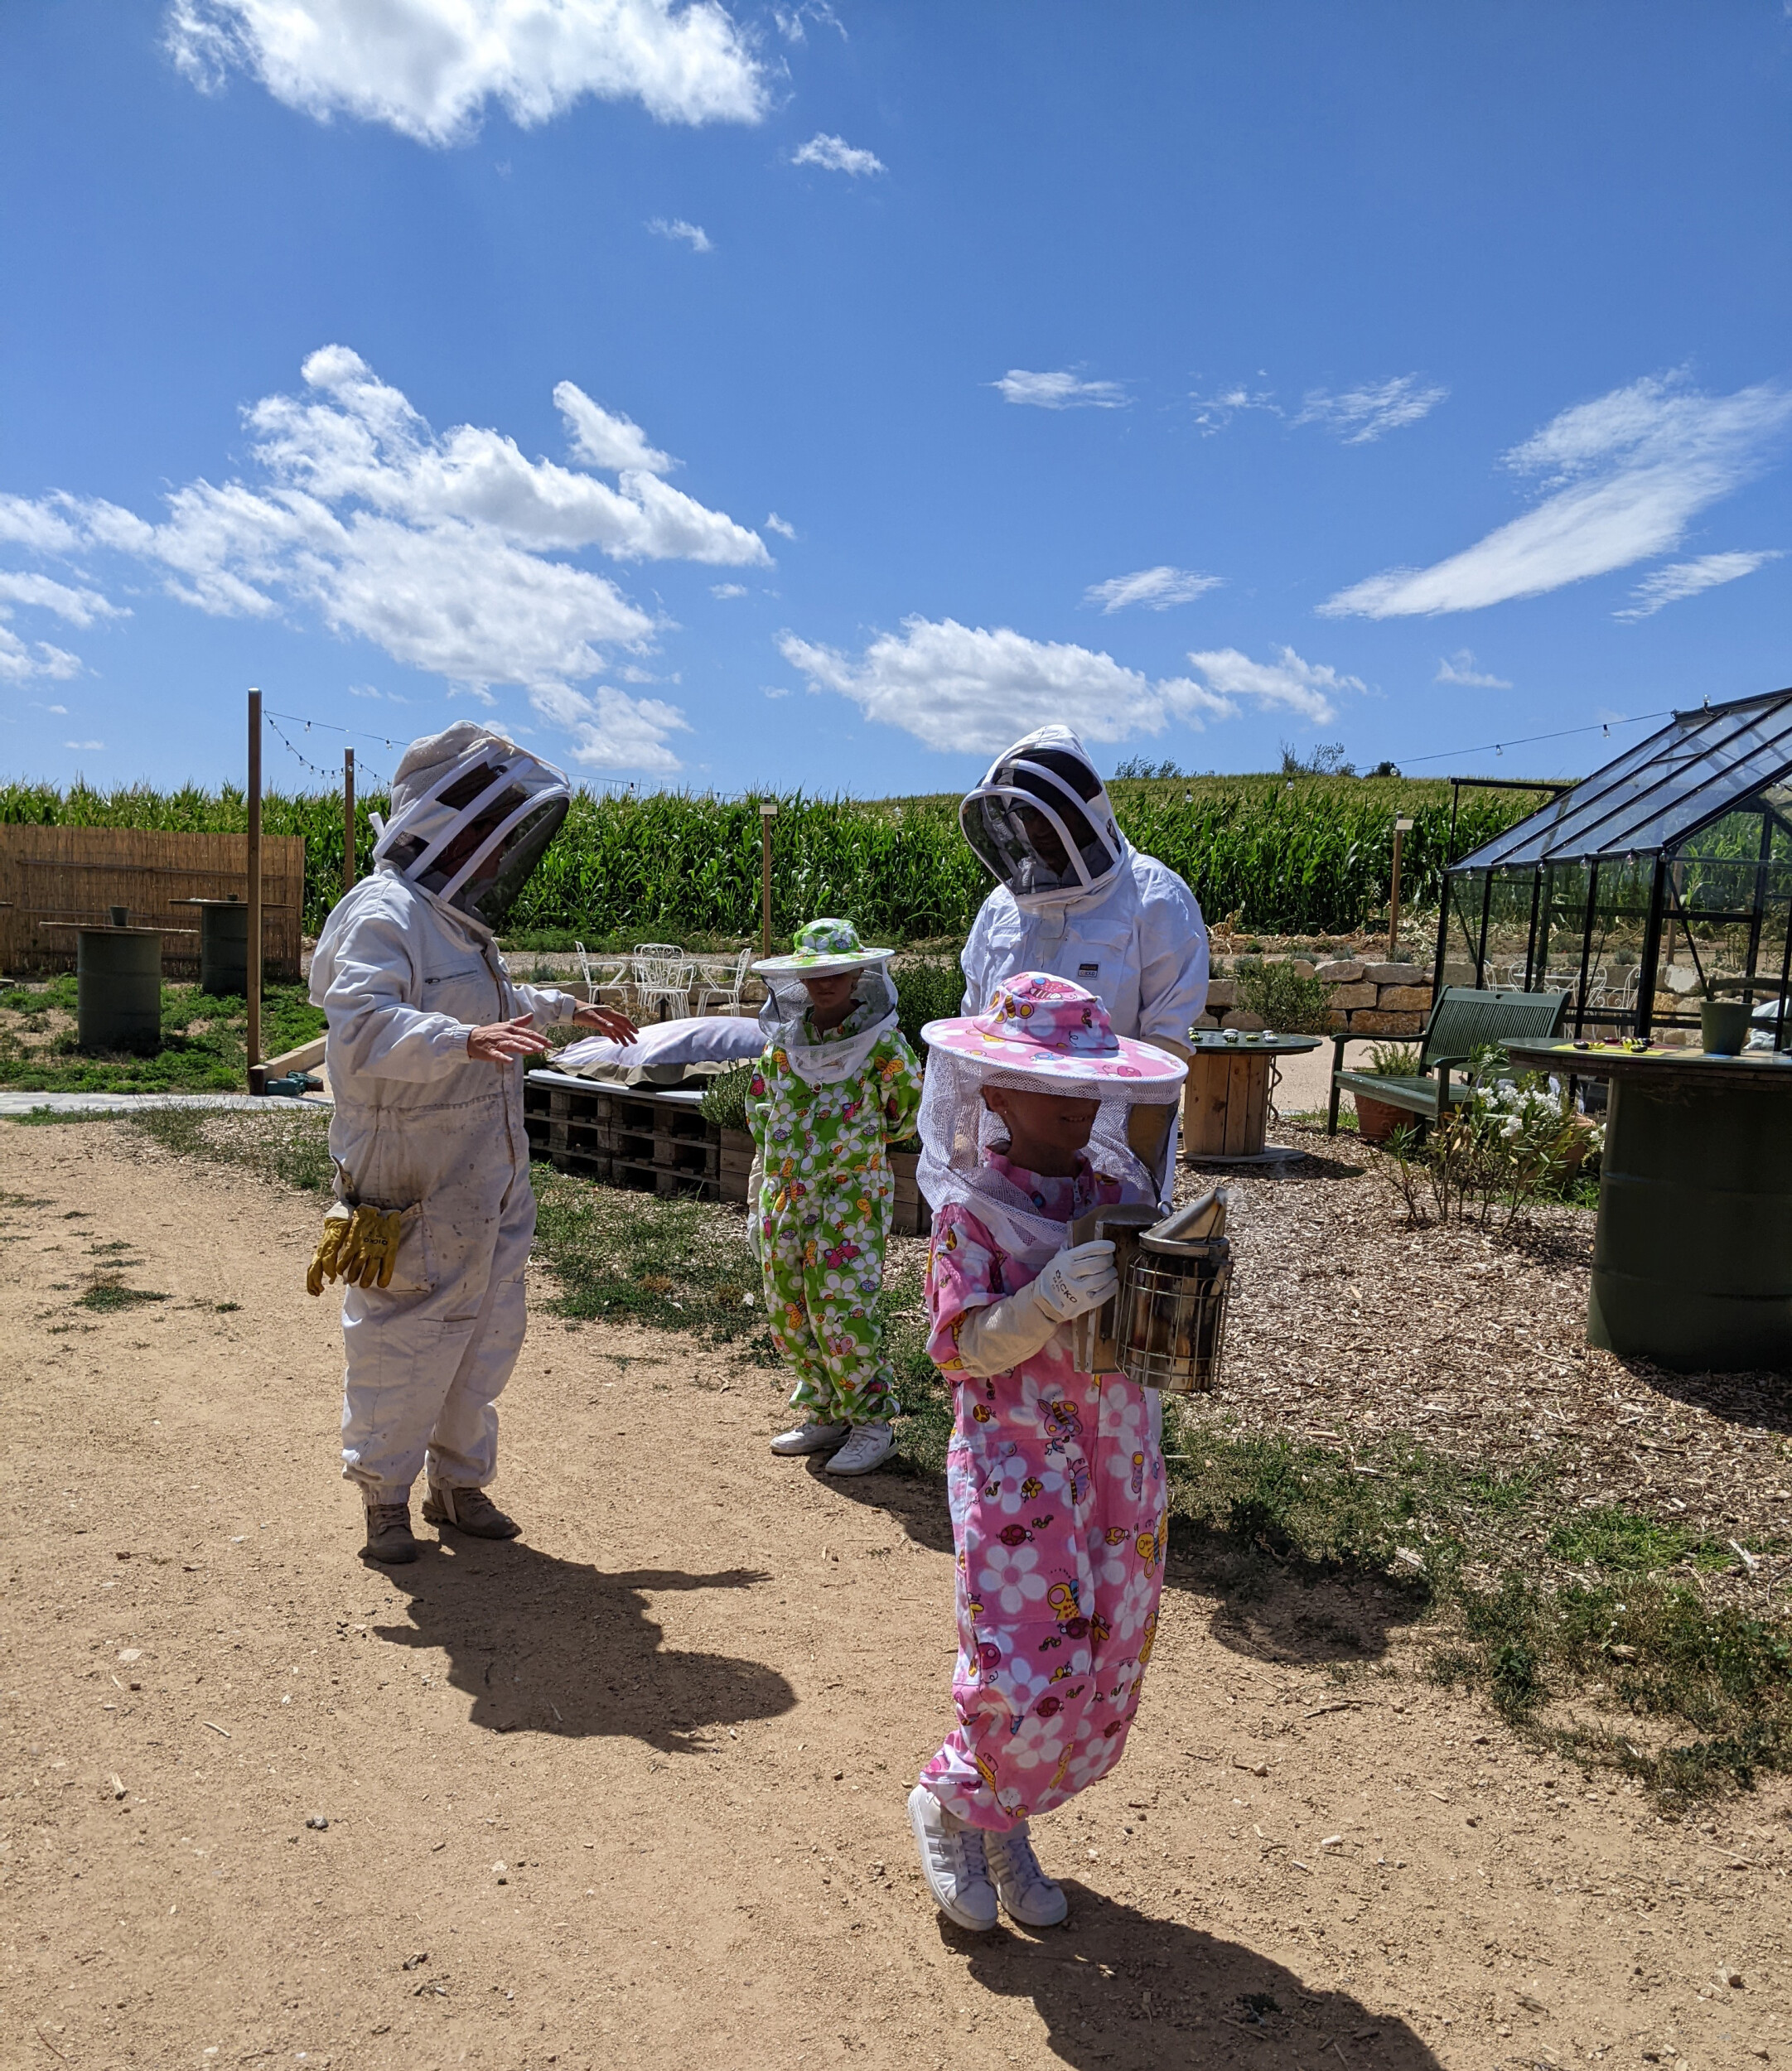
1282,999
724,1102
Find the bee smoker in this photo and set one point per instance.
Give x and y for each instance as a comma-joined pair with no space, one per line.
1165,1327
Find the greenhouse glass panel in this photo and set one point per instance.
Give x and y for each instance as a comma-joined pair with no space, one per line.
1661,879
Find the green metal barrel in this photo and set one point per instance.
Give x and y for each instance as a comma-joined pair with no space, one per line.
223,948
1692,1258
117,986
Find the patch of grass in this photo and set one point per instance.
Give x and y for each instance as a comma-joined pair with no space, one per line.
204,1041
1627,1543
289,1148
107,1295
632,1257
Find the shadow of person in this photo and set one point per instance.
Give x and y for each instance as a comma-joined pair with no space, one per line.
554,1646
1117,1988
1284,1611
915,1499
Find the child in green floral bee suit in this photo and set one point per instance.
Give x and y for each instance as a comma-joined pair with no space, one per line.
837,1085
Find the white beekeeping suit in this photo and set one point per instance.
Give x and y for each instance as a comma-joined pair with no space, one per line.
1074,897
407,974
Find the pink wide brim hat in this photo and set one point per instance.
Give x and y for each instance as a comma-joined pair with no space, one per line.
1045,1028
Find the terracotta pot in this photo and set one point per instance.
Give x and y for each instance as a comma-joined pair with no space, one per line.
1377,1120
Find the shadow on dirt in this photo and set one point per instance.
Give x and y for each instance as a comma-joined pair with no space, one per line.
1285,1612
916,1501
551,1646
1129,1993
1268,1610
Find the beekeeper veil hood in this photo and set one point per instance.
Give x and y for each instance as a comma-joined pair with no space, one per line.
471,814
1041,822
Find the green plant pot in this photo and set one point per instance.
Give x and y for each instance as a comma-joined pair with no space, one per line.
1723,1027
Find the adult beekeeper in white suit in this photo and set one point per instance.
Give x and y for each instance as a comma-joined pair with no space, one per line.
1072,896
427,1036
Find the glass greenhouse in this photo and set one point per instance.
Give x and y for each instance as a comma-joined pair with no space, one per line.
1658,881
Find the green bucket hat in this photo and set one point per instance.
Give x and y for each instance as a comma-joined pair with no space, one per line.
823,946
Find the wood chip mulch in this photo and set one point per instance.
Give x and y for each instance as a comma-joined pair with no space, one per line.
1347,1327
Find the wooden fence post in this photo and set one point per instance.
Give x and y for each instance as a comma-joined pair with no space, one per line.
348,821
257,1071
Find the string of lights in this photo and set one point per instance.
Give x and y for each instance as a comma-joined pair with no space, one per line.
365,778
1499,747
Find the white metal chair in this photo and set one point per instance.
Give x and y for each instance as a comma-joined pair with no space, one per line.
662,976
603,975
720,982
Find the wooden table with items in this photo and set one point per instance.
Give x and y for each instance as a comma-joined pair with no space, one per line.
1226,1104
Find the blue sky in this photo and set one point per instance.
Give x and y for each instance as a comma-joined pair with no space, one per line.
821,396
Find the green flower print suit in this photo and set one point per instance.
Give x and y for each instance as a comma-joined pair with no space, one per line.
824,1212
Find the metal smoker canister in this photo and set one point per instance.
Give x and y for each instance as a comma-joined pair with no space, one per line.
1171,1320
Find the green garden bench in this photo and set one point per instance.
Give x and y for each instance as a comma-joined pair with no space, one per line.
1461,1022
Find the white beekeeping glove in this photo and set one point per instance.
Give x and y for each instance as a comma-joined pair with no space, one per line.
995,1339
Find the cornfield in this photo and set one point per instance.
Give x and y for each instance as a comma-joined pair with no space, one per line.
1312,856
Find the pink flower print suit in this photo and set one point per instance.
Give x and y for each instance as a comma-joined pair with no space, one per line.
1056,1484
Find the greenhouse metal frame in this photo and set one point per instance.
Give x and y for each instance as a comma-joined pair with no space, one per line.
1659,881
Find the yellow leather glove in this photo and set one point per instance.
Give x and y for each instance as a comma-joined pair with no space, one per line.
371,1249
326,1260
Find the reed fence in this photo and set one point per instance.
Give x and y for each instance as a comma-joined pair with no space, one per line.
55,879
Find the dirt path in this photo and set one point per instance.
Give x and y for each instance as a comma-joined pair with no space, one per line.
683,1717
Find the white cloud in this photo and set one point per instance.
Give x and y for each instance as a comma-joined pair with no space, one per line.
724,590
776,690
1215,412
960,688
774,522
1288,683
1627,474
436,547
428,68
1156,588
25,524
602,439
1687,578
790,19
1361,415
1460,668
834,154
1060,391
79,607
693,234
61,710
80,745
611,731
27,661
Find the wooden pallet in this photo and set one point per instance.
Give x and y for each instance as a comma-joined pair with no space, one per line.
650,1138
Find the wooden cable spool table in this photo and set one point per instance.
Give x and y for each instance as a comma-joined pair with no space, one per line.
1226,1104
1692,1249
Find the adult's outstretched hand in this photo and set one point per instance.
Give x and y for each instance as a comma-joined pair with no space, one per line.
503,1042
605,1019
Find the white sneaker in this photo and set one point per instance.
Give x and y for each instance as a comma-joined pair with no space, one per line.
809,1438
953,1863
869,1446
1027,1894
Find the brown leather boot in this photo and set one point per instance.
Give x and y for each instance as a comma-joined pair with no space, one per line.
470,1510
389,1534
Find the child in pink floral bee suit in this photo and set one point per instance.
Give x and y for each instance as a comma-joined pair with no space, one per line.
1055,1477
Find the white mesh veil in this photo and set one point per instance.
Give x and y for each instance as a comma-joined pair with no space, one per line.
820,1064
956,1129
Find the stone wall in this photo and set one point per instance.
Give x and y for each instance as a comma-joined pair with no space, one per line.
1366,999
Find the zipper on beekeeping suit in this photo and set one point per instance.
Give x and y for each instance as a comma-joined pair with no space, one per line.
489,950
